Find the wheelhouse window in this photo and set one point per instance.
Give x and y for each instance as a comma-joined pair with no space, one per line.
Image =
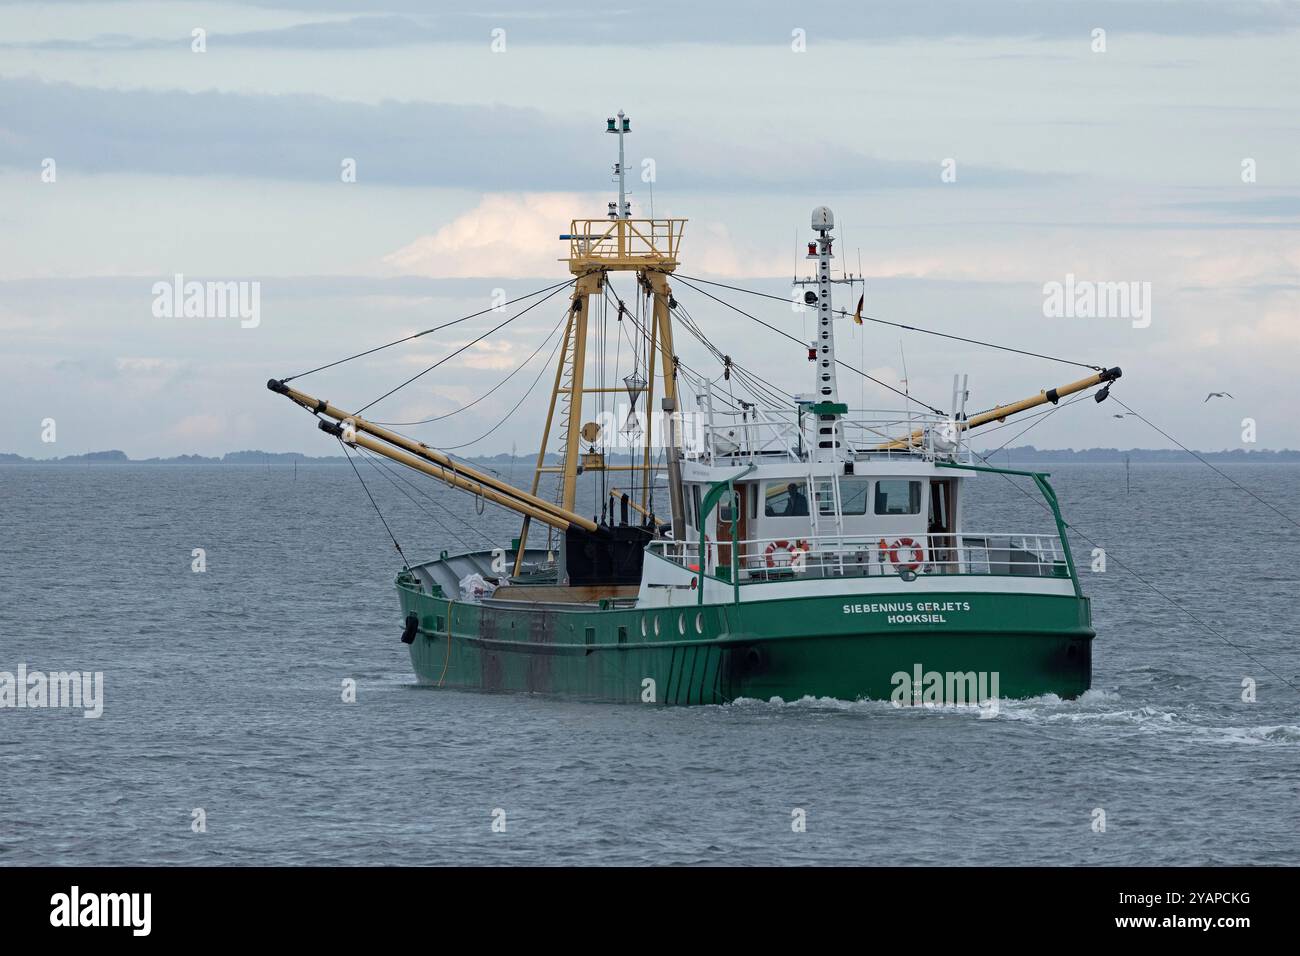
853,495
898,497
786,499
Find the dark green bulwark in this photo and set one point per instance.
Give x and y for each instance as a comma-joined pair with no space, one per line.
845,647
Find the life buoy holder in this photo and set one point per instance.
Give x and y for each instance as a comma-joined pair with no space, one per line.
905,544
708,554
800,547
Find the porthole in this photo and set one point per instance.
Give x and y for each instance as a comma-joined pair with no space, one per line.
681,623
699,623
643,627
656,627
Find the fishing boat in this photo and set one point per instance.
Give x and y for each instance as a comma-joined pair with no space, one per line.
747,542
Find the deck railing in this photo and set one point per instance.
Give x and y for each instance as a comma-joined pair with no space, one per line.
788,433
779,559
653,241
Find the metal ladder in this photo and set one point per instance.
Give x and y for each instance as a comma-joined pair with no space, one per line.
826,491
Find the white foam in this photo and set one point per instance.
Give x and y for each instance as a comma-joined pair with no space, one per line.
1097,708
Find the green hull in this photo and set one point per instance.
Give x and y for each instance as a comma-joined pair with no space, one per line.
789,648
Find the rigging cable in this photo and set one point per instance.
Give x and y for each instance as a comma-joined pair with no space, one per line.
599,492
728,363
723,397
416,335
380,462
1040,418
759,388
369,458
348,455
909,328
618,358
467,345
513,372
838,361
1208,465
542,371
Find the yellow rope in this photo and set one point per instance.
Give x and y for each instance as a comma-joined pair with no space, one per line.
447,659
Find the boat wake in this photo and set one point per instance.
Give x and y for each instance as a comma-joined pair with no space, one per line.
1095,708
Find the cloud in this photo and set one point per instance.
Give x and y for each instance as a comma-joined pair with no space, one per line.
298,137
136,368
145,365
508,235
485,355
1279,208
306,138
493,355
739,23
369,32
515,235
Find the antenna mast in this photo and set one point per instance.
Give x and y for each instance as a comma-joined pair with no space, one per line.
621,125
827,405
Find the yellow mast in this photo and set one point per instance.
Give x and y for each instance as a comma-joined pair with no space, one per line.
597,247
589,284
652,340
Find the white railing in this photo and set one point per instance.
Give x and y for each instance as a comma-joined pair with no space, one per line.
786,433
769,559
915,432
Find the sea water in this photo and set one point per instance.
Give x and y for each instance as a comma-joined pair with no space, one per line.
229,735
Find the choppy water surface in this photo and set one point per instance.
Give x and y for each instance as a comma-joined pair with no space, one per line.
223,692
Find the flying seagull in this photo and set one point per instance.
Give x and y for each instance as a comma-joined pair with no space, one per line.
1125,415
1217,395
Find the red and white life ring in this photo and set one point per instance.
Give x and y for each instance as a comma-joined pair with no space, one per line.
800,548
904,544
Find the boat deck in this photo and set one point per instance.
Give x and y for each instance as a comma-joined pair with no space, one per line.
533,589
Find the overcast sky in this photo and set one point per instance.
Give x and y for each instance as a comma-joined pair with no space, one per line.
1171,158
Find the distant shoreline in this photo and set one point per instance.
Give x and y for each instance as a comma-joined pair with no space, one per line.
1025,454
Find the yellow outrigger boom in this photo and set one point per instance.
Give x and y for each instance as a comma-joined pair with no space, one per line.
1000,413
355,430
